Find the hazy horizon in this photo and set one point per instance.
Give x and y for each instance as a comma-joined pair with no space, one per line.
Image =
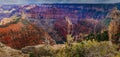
56,1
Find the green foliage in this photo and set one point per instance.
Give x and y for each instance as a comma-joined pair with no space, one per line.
32,55
91,36
103,36
116,39
98,37
118,55
90,48
25,22
118,34
69,39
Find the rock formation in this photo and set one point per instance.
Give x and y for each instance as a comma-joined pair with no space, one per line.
6,51
23,33
114,26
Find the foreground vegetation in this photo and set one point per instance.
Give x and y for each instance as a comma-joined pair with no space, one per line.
90,48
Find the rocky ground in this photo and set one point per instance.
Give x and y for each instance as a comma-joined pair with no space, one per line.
6,51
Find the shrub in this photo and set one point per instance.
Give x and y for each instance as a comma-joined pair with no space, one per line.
90,48
98,37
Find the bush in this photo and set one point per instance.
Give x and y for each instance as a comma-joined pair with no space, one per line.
98,37
90,48
32,55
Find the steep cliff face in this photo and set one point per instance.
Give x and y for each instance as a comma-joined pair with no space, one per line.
82,16
114,30
114,27
48,21
23,33
74,11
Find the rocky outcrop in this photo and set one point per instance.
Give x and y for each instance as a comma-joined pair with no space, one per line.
23,33
6,51
42,50
114,27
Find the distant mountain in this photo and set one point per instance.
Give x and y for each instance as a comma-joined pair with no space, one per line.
57,11
73,11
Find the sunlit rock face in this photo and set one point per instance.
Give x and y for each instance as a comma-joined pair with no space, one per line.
114,27
6,51
6,21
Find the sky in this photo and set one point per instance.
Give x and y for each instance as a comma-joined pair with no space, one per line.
56,1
